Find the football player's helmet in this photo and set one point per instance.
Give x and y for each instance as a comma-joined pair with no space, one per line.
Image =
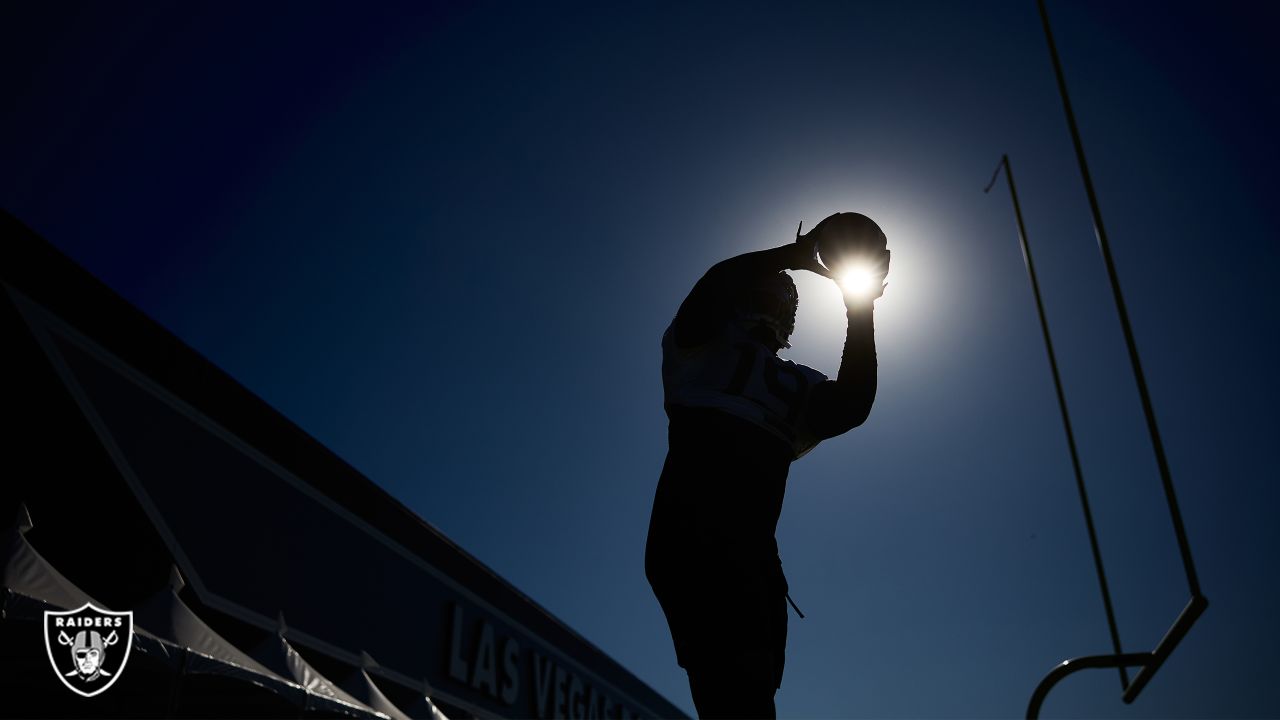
88,649
771,301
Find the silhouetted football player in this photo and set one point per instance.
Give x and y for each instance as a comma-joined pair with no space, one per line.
738,416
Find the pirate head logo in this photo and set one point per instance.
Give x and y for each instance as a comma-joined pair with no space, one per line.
88,647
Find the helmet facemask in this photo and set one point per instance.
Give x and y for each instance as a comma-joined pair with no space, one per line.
771,303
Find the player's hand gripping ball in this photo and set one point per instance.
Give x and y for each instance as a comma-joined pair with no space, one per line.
854,251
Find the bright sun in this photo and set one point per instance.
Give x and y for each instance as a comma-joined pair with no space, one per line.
857,280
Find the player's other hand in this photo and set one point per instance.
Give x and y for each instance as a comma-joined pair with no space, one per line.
862,281
806,255
880,272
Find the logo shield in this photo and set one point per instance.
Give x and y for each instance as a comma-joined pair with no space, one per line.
88,647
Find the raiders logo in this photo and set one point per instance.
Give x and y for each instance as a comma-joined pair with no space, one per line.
88,647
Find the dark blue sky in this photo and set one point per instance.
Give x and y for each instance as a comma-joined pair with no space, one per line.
445,240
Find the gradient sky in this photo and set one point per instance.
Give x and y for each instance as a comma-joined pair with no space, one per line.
445,240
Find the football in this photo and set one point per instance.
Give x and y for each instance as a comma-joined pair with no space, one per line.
847,240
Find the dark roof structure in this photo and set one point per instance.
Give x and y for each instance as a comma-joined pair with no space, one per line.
135,455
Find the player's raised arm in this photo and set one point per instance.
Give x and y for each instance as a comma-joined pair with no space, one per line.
715,298
859,258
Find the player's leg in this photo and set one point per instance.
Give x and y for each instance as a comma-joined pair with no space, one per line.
740,685
737,665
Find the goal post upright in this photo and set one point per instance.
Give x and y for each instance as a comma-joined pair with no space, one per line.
1147,662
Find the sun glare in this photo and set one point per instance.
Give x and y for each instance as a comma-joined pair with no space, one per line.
857,281
912,322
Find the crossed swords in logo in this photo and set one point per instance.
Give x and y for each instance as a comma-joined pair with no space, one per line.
108,641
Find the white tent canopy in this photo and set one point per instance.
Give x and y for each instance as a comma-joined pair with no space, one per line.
280,657
27,573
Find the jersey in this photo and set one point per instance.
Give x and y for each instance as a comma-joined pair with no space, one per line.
735,373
